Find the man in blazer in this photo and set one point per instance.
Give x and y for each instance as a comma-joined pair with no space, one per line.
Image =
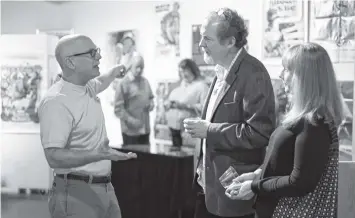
238,116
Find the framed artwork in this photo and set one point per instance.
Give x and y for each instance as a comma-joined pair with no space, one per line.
168,29
59,33
122,47
22,87
345,130
332,25
284,25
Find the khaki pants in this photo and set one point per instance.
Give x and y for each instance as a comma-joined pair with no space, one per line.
78,199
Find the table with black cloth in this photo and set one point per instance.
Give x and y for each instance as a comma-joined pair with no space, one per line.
158,184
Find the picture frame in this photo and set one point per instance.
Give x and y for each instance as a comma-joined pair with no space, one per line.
55,32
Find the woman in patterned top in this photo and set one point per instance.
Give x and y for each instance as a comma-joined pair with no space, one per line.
299,173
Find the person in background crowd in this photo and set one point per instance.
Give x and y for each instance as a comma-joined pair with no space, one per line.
186,100
134,101
73,134
303,150
238,115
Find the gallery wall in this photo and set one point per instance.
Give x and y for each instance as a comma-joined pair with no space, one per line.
24,17
101,18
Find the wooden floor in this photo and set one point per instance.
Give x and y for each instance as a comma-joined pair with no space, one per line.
21,206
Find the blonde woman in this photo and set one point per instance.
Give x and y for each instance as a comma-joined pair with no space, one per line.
302,158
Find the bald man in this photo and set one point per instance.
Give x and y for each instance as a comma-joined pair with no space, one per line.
133,102
73,134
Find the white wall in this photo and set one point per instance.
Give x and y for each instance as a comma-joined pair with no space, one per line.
18,17
24,17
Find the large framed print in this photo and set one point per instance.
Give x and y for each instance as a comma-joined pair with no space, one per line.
23,83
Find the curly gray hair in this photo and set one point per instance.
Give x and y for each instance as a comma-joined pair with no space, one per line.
231,24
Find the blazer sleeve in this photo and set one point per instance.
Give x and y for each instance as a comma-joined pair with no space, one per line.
259,117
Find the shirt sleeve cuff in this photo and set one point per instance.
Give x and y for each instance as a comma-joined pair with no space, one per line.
53,145
213,132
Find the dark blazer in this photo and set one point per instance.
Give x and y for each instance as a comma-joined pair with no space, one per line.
242,121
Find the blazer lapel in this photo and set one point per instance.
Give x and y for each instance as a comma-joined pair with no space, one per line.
231,77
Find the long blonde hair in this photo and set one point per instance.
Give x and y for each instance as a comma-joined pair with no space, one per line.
315,93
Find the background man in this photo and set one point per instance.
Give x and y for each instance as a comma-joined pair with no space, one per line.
133,102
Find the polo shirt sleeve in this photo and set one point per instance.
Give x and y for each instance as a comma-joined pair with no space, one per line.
56,123
94,85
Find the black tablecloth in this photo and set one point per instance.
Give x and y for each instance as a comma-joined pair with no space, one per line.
155,185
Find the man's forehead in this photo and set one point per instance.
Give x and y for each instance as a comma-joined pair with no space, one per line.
77,45
208,28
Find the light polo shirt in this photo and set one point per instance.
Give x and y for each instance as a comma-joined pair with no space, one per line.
134,96
221,74
71,117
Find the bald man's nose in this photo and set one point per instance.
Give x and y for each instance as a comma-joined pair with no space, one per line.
98,56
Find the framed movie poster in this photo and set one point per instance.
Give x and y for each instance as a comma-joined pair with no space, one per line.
283,26
332,25
22,87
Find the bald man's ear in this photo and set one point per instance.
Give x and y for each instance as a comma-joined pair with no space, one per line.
69,63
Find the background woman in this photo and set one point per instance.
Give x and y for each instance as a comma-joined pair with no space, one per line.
186,100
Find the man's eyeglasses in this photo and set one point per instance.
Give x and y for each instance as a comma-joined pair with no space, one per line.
93,52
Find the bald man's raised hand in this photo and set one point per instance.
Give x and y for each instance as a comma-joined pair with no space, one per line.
118,71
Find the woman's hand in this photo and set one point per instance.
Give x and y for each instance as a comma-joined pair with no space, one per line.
247,176
240,191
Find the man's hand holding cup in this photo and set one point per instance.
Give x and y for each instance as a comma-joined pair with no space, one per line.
196,127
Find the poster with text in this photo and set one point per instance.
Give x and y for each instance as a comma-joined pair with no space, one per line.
23,83
168,29
332,25
283,25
